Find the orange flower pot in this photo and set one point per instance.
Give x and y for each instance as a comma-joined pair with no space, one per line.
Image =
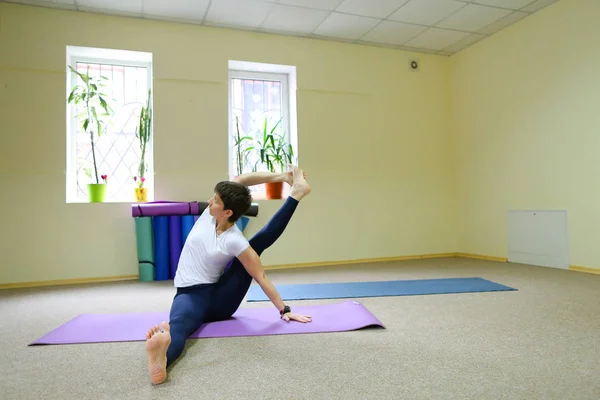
274,190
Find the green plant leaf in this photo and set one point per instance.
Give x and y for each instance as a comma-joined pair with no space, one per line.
74,94
105,106
265,131
240,140
78,73
275,127
98,126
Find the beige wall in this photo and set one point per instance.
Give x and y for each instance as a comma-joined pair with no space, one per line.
526,112
373,138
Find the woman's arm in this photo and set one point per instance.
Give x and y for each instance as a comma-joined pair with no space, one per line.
251,262
257,178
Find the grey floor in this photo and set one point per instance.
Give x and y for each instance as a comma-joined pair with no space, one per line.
540,342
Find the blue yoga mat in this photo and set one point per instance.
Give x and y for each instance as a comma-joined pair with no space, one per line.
378,289
161,247
187,223
242,222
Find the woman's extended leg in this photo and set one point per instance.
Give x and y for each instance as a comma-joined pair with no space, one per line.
235,282
188,313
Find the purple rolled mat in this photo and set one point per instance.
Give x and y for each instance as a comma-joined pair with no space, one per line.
160,208
174,243
164,208
95,328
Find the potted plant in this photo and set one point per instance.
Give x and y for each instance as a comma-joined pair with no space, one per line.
275,153
92,121
142,132
241,152
141,195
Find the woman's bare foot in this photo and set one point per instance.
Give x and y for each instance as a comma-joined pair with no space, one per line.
289,175
157,343
300,187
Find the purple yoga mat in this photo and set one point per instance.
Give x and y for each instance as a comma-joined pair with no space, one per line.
158,208
96,328
164,208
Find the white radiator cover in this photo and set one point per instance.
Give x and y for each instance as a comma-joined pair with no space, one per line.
538,237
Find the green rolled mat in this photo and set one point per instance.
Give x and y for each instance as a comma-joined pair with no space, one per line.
145,248
146,272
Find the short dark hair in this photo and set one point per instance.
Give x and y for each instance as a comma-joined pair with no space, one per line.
235,197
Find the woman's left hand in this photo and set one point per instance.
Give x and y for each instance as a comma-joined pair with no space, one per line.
296,317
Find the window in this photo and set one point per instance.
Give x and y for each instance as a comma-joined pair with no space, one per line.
127,85
262,97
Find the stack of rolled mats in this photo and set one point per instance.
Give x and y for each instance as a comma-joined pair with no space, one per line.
161,229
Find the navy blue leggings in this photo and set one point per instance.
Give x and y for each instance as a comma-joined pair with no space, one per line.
192,306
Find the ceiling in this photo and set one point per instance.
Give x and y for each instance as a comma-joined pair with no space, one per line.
432,26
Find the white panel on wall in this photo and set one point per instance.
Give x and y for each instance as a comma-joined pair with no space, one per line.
538,237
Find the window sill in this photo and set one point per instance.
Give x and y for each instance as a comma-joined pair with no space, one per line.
114,200
108,202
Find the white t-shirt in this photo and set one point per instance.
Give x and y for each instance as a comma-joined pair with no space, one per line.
205,254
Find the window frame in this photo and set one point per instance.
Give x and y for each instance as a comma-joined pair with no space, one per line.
284,79
112,57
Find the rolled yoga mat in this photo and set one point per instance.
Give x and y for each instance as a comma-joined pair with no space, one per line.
95,328
155,209
377,289
144,235
242,222
252,211
174,244
164,209
161,247
187,223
